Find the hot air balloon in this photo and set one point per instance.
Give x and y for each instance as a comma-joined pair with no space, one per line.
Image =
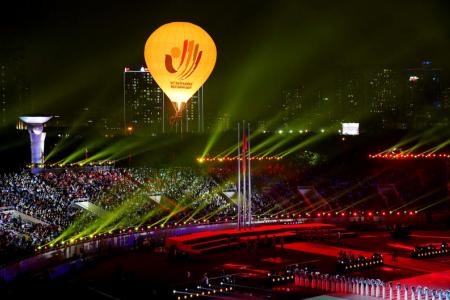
180,56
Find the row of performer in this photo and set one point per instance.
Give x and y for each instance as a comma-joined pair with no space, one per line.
367,287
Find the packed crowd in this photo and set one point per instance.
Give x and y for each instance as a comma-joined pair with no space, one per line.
140,196
47,200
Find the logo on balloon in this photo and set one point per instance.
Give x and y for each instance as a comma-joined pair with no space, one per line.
190,58
180,56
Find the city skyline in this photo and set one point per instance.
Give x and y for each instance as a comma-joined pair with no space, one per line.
73,55
381,96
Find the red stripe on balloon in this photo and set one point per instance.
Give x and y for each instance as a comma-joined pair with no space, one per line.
184,53
196,64
169,66
194,58
189,56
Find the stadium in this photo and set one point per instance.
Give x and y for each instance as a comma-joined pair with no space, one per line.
305,200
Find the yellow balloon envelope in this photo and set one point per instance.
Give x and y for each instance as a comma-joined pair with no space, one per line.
180,57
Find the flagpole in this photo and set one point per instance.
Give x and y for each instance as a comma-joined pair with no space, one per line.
249,178
244,180
239,178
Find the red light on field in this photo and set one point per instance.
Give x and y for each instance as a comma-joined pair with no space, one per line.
369,213
343,214
318,214
398,213
329,214
410,213
383,213
355,214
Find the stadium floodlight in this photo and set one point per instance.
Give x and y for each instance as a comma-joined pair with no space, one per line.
35,125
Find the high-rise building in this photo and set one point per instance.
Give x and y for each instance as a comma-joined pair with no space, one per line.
14,86
223,122
446,106
425,84
382,93
217,122
347,103
446,99
143,103
423,98
148,111
193,114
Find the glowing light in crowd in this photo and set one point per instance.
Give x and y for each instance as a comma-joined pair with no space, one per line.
180,57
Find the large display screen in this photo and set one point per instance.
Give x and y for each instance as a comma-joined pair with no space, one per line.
350,129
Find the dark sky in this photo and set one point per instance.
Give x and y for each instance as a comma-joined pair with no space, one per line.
76,50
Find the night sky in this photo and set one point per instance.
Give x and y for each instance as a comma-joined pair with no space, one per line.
75,51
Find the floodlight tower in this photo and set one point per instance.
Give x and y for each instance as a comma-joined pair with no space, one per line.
37,137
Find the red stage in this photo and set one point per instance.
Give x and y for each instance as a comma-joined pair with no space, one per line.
203,242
